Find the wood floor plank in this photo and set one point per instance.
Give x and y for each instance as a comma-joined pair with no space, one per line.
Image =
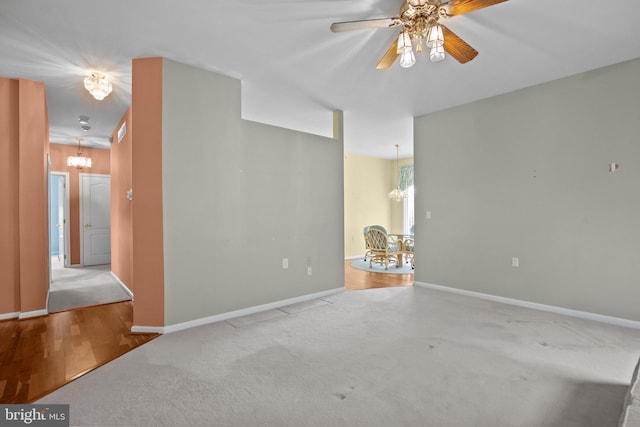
358,279
40,355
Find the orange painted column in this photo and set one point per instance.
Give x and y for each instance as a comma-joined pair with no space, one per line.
33,146
9,214
147,219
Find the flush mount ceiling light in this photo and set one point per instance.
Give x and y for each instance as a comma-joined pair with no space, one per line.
98,85
79,161
397,194
421,26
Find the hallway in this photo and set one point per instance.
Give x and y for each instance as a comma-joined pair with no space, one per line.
83,287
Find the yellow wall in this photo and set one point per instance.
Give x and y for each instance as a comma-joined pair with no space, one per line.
367,180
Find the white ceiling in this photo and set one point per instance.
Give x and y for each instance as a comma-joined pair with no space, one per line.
294,70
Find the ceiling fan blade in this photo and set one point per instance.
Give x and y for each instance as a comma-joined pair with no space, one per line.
458,7
364,24
389,57
457,47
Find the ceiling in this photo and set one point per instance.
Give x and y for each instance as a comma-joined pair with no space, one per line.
294,70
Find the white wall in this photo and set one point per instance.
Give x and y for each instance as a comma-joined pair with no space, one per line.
240,196
526,175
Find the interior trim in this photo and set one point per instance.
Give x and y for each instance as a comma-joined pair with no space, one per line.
232,314
34,313
617,321
121,283
7,316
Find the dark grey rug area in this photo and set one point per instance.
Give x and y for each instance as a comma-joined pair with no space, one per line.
82,287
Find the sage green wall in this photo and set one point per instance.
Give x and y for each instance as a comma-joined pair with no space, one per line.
240,196
526,175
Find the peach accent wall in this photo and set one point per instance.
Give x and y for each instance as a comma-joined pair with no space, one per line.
9,243
33,145
121,207
100,160
147,216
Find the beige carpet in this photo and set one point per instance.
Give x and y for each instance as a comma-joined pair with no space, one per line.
403,356
82,287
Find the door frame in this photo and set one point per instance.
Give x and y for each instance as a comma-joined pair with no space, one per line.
82,219
66,259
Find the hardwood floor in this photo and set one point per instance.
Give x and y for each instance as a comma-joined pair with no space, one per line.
355,279
42,354
39,355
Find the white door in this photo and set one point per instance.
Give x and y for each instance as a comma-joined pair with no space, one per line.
95,216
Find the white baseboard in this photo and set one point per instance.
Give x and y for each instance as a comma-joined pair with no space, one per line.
7,316
121,283
617,321
232,314
147,330
34,313
351,258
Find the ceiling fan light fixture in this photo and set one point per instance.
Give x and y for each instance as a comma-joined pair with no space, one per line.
98,85
407,59
436,54
419,19
404,43
435,38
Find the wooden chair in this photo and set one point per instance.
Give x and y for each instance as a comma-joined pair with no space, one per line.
407,249
383,250
367,246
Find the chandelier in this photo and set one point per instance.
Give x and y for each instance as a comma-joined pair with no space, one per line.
396,194
98,85
420,26
79,161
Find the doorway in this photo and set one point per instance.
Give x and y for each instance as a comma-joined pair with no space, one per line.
87,280
59,219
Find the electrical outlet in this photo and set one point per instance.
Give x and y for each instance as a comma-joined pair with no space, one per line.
309,271
285,262
515,262
428,215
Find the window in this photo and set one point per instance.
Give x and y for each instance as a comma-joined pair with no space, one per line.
405,181
408,218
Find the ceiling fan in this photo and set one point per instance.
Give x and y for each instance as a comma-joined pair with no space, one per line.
420,22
